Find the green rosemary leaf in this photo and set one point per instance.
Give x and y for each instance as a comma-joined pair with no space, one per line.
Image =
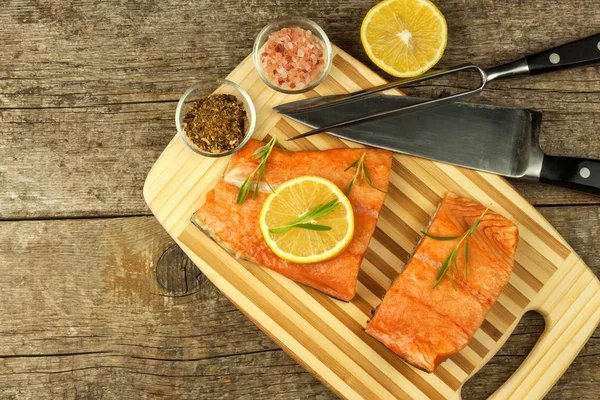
440,237
477,222
349,188
351,165
376,188
255,194
467,259
439,280
356,165
262,154
442,272
287,228
361,173
452,281
370,183
261,171
269,185
244,190
304,220
321,210
452,257
443,269
280,229
313,227
282,147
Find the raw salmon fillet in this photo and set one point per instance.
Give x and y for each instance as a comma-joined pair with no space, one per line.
236,227
425,326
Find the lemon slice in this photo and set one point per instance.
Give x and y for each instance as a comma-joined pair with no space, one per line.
290,202
404,38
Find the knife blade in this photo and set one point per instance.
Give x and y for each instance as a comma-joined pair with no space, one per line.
475,136
500,140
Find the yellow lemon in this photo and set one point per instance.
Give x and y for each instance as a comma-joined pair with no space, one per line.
307,220
404,38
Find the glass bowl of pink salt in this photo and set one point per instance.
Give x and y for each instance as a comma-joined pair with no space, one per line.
292,55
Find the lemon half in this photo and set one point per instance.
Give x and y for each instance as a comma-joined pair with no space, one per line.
405,38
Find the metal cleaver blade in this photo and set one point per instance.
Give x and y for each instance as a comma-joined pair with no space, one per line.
494,139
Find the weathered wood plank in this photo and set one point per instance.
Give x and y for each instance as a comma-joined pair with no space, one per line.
87,53
98,325
80,161
270,374
93,161
75,160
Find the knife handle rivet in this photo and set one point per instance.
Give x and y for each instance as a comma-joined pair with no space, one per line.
554,58
598,45
585,172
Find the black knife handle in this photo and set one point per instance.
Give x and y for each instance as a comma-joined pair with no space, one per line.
580,52
571,172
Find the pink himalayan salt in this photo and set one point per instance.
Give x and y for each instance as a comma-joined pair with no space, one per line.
293,58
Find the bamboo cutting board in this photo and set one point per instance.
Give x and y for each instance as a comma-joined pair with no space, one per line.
325,335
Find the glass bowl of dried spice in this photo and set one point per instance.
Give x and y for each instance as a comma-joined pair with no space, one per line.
215,121
292,55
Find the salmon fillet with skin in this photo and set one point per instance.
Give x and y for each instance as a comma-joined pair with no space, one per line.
236,227
424,325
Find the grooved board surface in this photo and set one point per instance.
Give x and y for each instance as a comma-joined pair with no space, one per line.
326,335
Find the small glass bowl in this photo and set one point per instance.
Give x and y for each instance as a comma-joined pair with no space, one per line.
291,22
221,86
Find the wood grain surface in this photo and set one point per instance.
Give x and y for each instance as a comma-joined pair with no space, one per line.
87,97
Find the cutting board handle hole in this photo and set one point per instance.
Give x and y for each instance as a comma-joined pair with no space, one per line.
508,359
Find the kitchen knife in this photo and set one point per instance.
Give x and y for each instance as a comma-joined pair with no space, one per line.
499,140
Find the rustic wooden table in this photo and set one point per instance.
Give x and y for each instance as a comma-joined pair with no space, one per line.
96,301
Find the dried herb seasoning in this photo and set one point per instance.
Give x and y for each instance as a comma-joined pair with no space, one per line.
216,123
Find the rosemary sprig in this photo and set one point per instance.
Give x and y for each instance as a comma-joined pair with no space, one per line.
451,259
304,221
262,154
361,173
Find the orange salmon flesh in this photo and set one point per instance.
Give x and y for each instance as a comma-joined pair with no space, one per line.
236,227
424,325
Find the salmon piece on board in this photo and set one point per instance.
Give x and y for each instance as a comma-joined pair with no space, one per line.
424,325
236,227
